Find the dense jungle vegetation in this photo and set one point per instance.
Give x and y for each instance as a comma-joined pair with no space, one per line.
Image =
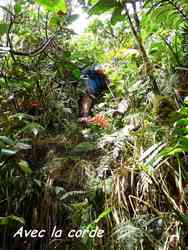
130,178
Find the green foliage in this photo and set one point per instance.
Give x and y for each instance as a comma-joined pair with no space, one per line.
6,140
25,167
8,220
104,215
85,147
51,170
7,152
9,148
181,217
179,141
117,15
102,6
18,8
55,6
3,28
87,55
169,13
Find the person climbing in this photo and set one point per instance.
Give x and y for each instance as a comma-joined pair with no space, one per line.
96,84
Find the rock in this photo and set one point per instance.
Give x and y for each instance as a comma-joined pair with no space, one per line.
123,107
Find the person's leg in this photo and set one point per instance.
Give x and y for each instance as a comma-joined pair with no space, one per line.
86,104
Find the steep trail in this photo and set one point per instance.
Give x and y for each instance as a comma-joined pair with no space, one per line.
65,192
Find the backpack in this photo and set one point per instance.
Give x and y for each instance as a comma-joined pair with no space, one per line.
97,82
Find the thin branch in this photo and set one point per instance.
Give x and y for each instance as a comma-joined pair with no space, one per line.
7,10
9,42
136,18
148,66
46,25
178,8
36,51
154,6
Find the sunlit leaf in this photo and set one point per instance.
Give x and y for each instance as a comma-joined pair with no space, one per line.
184,111
35,131
25,167
92,1
103,215
170,150
55,20
182,122
10,219
54,5
117,15
17,8
21,116
23,146
7,152
59,190
102,6
32,127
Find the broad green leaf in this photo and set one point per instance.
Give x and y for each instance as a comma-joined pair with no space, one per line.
181,217
72,18
17,8
183,144
103,215
35,131
184,219
181,131
183,141
55,20
184,111
21,116
33,127
175,151
169,151
102,6
59,190
117,16
25,167
3,28
7,152
182,122
9,219
54,5
92,1
6,140
76,73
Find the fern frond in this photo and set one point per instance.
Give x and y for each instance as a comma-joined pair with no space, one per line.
169,12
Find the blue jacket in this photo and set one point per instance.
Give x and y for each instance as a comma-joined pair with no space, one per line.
95,83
